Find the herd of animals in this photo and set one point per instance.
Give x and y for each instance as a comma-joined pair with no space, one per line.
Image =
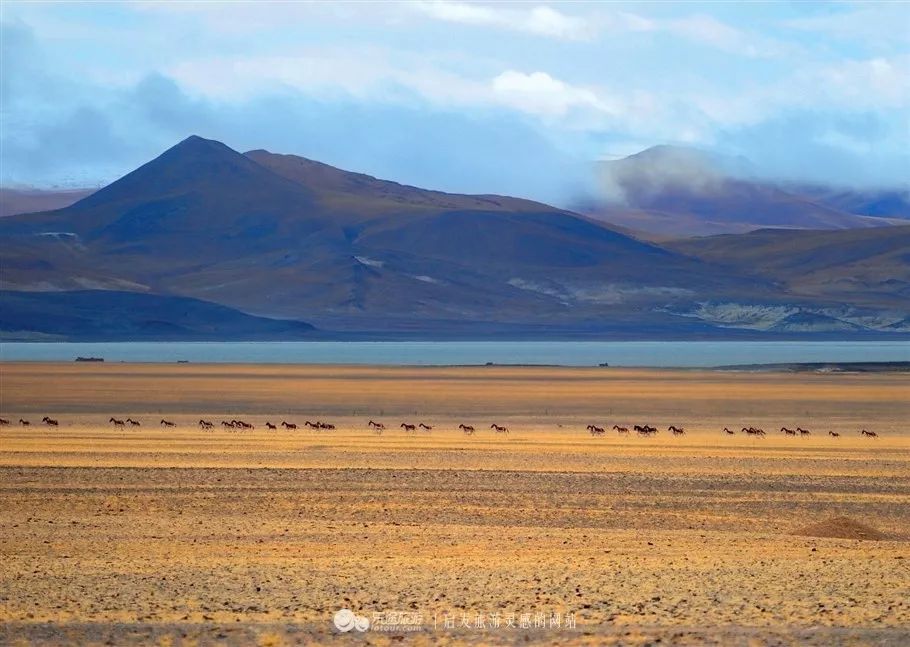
379,427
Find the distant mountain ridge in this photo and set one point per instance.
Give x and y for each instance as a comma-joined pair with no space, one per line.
677,192
283,237
14,200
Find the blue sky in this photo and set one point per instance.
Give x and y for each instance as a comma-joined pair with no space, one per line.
478,97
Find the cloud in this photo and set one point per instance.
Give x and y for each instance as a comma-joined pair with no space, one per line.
355,84
539,93
540,20
98,132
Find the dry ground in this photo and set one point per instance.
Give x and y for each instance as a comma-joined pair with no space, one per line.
179,536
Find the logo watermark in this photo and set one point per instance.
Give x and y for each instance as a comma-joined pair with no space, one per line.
409,621
346,620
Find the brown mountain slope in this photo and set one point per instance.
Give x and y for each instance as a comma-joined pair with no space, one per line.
865,266
346,188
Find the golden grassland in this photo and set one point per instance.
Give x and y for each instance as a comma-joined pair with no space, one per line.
155,535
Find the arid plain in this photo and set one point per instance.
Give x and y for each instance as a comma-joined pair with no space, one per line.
179,536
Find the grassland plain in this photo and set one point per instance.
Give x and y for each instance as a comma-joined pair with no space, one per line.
157,535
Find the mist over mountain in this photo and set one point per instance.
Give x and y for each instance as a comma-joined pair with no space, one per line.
674,192
283,237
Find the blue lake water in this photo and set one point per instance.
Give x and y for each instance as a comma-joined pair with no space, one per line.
568,353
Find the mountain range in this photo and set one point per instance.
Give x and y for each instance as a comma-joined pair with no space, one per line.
284,240
669,192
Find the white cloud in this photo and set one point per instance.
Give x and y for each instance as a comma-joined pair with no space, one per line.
540,20
539,93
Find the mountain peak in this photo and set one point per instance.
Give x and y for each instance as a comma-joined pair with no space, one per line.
195,145
194,166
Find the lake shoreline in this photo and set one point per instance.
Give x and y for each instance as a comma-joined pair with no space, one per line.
707,355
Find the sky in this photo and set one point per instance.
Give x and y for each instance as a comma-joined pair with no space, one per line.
515,98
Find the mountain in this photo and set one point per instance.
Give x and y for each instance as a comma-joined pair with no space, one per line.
865,266
850,277
98,315
284,237
369,194
673,192
877,203
14,201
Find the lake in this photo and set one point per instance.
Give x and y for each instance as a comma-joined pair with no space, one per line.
568,353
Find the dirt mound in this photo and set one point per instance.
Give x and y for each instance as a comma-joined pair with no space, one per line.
840,528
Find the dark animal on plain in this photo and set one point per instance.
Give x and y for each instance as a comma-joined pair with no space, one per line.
288,425
803,432
24,423
116,423
677,431
50,421
622,430
425,427
468,429
499,429
134,423
325,425
168,423
834,434
375,425
244,425
595,430
4,421
205,424
729,431
229,425
871,434
311,425
269,425
408,427
789,432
